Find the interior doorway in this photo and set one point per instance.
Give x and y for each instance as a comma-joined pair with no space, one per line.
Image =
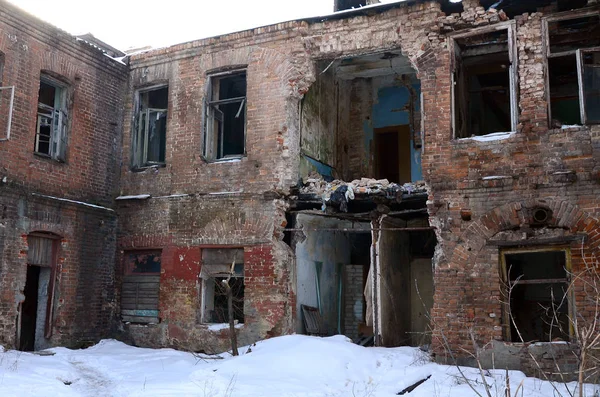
392,153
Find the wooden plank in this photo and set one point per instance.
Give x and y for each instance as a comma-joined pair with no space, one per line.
142,278
138,306
313,322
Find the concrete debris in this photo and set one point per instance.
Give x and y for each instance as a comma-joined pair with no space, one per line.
315,184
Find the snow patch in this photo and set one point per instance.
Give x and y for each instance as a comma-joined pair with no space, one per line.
564,127
495,136
489,178
73,202
222,326
134,197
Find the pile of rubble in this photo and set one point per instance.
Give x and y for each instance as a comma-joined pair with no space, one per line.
341,192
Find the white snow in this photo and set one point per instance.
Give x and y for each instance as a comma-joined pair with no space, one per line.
73,201
495,136
489,178
222,326
134,197
232,192
564,127
288,366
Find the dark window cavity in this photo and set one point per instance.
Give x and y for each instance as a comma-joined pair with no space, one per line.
150,128
537,292
484,84
573,45
225,129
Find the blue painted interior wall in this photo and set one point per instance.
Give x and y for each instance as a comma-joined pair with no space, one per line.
387,111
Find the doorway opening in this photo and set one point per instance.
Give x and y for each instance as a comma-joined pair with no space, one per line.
35,312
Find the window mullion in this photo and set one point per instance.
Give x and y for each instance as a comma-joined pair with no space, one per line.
580,86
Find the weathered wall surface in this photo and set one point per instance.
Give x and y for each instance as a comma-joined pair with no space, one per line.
84,291
181,227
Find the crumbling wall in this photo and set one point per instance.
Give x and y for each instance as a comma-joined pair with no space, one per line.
30,184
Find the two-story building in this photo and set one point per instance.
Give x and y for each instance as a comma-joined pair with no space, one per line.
425,172
60,141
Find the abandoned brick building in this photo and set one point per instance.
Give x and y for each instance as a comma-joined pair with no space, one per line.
389,170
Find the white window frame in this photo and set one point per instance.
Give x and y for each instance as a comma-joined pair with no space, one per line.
10,110
579,59
510,26
141,129
57,118
213,115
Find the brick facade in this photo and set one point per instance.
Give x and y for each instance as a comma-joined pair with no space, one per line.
34,190
191,203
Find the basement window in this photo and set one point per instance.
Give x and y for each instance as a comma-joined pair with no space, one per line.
484,82
150,127
216,269
225,116
537,283
141,285
573,45
52,119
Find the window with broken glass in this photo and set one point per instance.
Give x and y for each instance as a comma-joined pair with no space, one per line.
52,119
537,294
573,52
150,127
222,267
484,81
225,116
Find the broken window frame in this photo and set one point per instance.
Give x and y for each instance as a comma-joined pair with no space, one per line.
565,16
510,26
141,129
8,121
506,284
209,277
213,115
10,111
56,117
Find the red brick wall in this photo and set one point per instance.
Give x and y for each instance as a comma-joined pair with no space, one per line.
84,291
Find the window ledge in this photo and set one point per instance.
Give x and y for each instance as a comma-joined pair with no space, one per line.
147,167
48,157
493,137
230,159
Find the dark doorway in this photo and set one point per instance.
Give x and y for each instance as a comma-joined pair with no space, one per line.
29,309
392,154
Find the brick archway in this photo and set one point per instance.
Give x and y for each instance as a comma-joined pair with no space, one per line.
517,214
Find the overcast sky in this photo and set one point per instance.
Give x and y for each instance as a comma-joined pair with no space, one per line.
135,23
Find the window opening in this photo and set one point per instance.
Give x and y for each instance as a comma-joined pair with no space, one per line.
52,120
484,84
150,133
573,69
539,295
216,268
225,128
141,286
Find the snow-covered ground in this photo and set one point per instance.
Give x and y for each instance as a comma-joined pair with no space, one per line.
288,366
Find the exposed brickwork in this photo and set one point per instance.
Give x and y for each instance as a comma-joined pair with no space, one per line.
197,204
84,292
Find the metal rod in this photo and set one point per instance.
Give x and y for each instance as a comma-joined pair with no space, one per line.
404,229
